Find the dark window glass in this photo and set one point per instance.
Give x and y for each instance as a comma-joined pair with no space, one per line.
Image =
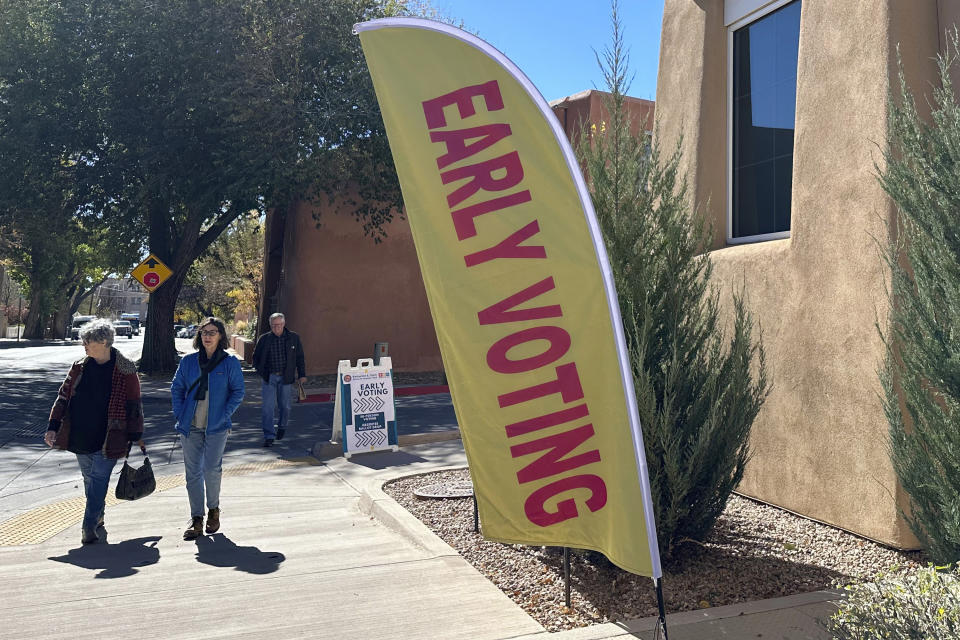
764,111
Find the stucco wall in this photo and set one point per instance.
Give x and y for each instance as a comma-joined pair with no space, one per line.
820,441
343,293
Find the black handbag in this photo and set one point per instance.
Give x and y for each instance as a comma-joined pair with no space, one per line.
134,484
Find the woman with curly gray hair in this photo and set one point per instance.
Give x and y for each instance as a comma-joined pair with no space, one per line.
97,414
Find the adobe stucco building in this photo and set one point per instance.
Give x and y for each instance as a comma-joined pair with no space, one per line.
782,106
342,293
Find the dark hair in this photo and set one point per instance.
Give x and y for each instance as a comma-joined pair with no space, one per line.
218,323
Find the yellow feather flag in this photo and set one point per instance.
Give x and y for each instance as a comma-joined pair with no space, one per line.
521,294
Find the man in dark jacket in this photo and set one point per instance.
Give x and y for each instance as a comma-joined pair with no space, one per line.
278,358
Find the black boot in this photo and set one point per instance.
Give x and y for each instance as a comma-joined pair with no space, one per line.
195,529
213,520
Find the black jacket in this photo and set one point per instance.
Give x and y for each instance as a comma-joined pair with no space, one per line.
295,364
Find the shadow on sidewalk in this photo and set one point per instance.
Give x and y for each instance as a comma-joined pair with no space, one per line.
220,551
384,459
114,560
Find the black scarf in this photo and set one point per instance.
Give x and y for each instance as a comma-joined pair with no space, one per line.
206,366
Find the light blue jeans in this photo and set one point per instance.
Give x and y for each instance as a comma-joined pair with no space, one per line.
96,469
276,395
203,467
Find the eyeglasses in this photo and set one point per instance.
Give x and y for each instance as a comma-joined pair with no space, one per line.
211,333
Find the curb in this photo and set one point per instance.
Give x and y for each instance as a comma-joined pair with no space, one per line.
676,621
375,502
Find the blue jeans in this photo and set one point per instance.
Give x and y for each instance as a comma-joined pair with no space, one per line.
275,395
96,469
203,467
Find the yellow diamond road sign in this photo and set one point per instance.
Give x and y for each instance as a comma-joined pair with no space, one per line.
151,273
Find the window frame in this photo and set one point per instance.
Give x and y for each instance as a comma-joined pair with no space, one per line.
739,14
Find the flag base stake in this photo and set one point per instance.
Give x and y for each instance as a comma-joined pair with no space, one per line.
662,622
476,515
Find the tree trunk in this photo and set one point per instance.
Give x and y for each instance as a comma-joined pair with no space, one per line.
61,322
159,350
273,234
36,318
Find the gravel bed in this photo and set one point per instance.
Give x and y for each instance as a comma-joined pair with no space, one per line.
755,552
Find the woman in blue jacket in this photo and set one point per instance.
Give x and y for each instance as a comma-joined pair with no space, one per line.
206,390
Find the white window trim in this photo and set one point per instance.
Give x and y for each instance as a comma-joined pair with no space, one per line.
748,11
738,10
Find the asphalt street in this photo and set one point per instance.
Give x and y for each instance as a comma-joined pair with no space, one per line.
31,474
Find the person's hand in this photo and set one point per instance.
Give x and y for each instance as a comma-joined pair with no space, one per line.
303,380
141,444
49,437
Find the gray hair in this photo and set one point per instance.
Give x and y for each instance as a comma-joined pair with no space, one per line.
274,316
97,330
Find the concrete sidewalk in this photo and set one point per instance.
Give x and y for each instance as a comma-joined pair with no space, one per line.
295,558
308,548
314,550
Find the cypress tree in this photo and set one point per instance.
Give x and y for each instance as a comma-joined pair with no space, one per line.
921,373
698,390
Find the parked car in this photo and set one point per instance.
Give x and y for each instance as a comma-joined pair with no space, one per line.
187,332
134,320
176,330
123,328
79,321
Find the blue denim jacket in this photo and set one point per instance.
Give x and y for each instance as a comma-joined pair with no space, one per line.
224,388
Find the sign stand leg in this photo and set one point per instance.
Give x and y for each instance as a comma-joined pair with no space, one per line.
662,622
566,575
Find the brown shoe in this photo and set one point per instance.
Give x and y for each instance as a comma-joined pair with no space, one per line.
213,520
195,530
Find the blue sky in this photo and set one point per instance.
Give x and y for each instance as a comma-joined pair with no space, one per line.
553,41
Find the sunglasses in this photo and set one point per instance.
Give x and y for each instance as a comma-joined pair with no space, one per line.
210,333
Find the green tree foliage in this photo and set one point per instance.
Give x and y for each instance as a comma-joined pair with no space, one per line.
921,375
44,149
180,115
697,391
213,108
